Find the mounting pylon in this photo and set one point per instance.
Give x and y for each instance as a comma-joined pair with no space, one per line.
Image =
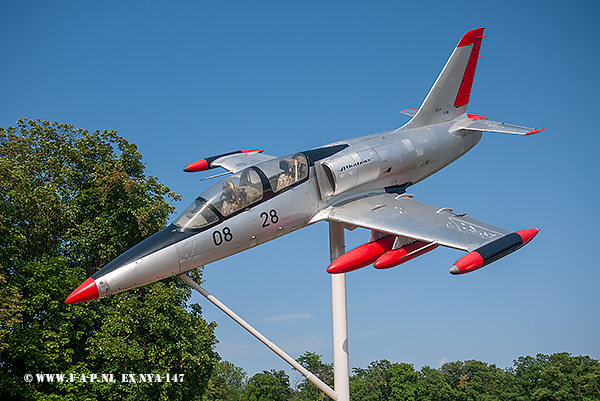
341,369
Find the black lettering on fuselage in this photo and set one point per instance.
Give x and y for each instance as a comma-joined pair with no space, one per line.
348,166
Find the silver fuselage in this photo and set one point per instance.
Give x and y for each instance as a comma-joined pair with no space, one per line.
392,160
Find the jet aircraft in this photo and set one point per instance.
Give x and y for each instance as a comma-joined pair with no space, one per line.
359,182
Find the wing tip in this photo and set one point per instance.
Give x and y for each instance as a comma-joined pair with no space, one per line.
528,234
535,131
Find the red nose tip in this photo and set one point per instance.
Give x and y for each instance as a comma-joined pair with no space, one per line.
84,292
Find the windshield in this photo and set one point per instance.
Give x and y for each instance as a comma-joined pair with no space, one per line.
197,215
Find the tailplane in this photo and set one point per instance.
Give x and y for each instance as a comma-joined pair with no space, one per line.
449,96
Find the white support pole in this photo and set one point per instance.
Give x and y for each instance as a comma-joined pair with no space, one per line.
312,378
341,368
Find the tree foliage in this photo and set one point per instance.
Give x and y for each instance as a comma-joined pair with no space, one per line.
71,201
227,383
268,386
324,371
67,192
371,383
556,377
549,378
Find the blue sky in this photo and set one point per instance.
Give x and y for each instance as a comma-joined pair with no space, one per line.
186,80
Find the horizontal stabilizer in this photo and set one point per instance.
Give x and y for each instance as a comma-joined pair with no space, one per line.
493,126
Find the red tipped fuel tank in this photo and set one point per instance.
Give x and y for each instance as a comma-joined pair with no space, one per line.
198,165
408,252
361,256
205,164
493,251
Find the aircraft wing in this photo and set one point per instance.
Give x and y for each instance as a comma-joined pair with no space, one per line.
239,161
403,216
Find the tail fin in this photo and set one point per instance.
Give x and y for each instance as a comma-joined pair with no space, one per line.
449,96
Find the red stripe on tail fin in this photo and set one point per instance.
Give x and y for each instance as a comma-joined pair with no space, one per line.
470,38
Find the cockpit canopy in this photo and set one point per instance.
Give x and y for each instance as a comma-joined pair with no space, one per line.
244,189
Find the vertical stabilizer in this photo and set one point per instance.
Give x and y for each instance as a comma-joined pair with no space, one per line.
449,96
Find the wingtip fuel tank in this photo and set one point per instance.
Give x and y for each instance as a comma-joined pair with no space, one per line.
206,164
493,251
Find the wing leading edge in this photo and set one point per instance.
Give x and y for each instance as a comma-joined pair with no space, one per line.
401,215
423,227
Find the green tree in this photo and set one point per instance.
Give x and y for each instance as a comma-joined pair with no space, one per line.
268,386
404,382
372,383
315,365
10,311
227,382
433,386
558,376
475,380
383,380
71,201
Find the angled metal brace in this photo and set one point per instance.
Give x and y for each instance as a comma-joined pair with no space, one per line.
312,378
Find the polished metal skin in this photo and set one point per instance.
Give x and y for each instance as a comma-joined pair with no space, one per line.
359,182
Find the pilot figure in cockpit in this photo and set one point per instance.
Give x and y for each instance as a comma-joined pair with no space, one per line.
232,200
289,175
236,197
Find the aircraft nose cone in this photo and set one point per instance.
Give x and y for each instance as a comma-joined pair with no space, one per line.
85,292
454,270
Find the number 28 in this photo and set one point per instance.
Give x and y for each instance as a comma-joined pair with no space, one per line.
269,218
